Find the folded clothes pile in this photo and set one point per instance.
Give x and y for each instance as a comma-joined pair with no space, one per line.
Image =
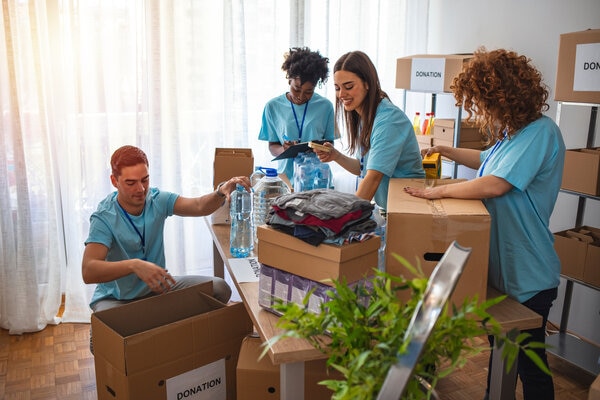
323,216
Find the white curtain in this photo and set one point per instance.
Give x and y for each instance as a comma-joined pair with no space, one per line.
80,78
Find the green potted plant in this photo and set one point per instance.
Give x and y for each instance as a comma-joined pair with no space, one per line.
362,330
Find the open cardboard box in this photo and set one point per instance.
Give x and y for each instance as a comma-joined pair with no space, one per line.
579,253
321,263
229,162
169,346
421,231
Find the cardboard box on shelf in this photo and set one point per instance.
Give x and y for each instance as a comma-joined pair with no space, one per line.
579,253
582,171
444,129
421,230
259,378
424,141
578,72
429,72
594,393
321,263
229,162
168,347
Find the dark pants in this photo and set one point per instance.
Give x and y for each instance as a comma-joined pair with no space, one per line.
536,383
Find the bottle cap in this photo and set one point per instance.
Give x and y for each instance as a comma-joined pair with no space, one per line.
270,172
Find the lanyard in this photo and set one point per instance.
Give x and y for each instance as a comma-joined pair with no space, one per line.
142,236
300,126
496,146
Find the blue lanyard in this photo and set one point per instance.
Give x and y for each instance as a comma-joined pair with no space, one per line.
496,146
300,126
142,236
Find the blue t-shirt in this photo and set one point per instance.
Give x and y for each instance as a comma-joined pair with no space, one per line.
394,149
522,260
278,120
110,226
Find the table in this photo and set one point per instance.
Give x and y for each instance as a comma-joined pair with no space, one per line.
290,354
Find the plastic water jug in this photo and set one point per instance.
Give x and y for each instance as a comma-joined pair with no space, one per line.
241,239
265,191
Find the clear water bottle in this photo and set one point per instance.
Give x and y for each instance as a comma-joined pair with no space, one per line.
241,239
256,175
266,190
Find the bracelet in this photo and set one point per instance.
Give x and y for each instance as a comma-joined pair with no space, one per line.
218,191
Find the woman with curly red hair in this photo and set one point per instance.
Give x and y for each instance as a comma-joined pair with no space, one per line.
518,179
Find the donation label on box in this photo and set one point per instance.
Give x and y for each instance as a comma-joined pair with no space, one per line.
204,383
428,74
587,68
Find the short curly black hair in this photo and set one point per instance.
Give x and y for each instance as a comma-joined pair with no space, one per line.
309,66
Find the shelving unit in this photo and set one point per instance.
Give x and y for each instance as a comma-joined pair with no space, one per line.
570,348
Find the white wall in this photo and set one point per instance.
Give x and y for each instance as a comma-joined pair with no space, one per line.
532,28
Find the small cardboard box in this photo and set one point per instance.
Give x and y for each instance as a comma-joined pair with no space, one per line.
579,253
578,71
229,162
444,129
259,378
582,171
169,347
421,231
594,393
321,263
429,72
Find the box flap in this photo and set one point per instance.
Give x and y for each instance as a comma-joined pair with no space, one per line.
230,162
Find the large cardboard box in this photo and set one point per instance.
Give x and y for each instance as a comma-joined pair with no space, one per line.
429,72
229,162
321,263
183,344
258,378
579,253
578,71
421,231
582,171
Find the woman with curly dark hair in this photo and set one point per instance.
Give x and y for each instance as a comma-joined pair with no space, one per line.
287,119
518,179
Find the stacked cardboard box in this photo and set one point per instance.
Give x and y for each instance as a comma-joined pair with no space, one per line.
443,134
421,231
168,347
429,72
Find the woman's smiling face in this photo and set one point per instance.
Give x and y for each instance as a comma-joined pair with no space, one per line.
350,90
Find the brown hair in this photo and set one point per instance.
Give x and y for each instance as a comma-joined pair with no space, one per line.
501,90
126,156
359,130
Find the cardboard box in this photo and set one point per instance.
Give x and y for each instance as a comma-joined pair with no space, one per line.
229,162
275,284
321,263
579,253
259,378
578,71
582,171
424,141
168,347
421,231
444,129
429,72
594,393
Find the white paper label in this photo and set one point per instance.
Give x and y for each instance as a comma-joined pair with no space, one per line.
203,383
427,74
587,68
245,269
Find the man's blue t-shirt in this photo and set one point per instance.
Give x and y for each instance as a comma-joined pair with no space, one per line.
522,260
111,227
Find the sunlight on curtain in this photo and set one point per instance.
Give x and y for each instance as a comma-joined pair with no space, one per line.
177,79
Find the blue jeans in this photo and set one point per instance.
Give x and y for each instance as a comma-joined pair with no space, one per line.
536,383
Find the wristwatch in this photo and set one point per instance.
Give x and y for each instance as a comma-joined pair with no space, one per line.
218,191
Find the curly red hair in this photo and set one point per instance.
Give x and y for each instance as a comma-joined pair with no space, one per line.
501,90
